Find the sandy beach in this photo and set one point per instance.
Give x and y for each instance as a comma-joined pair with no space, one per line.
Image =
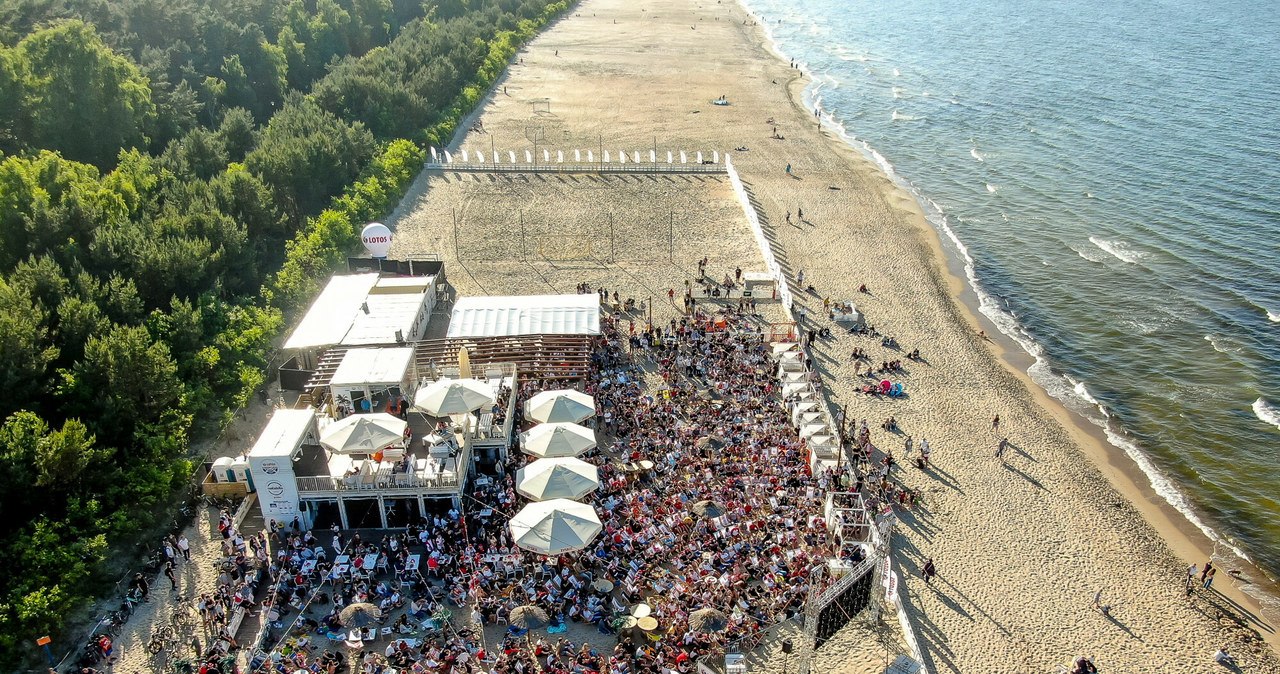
1022,543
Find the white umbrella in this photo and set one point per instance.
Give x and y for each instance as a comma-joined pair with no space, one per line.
453,396
557,439
363,433
555,526
563,477
565,405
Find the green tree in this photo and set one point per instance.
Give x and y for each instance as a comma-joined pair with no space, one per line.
26,349
79,97
125,381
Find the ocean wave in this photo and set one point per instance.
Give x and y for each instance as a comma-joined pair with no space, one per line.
992,188
977,155
1272,316
1057,385
896,73
1118,249
899,117
1266,412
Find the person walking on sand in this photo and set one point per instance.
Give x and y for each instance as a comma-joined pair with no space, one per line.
1004,442
929,571
1208,577
800,213
173,577
1208,566
788,172
995,423
906,447
1191,577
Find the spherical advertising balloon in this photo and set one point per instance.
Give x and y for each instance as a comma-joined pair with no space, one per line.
377,239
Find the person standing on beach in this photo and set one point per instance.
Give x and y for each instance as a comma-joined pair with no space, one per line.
1191,577
929,571
1204,573
906,447
1208,576
788,172
1000,448
995,423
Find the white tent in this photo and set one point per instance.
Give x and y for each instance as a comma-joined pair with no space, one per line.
453,396
563,477
363,433
555,526
564,405
503,316
557,439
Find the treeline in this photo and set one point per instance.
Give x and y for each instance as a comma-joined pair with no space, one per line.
176,179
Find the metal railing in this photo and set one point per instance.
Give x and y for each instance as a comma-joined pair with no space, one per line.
576,167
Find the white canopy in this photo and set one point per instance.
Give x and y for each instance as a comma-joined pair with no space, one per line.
360,367
363,433
453,396
503,316
555,526
562,477
562,405
557,439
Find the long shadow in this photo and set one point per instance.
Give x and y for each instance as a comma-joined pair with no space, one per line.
974,604
1232,608
942,476
1116,621
1014,469
1009,444
932,641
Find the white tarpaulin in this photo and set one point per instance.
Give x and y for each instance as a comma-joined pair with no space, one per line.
526,315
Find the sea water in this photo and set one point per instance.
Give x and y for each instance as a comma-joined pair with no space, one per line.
1109,174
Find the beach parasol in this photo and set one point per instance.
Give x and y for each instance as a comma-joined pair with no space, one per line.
555,526
453,396
557,478
714,441
708,620
707,509
564,405
528,617
641,611
359,615
363,433
557,439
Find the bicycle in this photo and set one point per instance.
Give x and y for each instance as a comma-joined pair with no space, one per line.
183,616
162,636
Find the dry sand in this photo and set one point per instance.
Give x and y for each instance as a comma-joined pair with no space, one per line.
1021,545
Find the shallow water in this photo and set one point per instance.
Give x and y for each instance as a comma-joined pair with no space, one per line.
1110,175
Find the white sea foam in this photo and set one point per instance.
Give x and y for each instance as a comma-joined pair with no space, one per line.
1273,316
899,117
896,73
1213,340
1267,412
976,155
1118,249
897,92
1055,384
993,188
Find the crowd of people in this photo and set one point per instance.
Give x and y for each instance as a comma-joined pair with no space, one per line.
706,500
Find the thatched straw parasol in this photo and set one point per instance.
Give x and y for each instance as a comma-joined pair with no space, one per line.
707,509
360,615
528,617
708,620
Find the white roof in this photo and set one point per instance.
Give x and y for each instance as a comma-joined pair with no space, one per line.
338,315
284,432
372,366
387,314
526,315
329,317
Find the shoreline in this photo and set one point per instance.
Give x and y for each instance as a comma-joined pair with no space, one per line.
1021,545
1185,537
